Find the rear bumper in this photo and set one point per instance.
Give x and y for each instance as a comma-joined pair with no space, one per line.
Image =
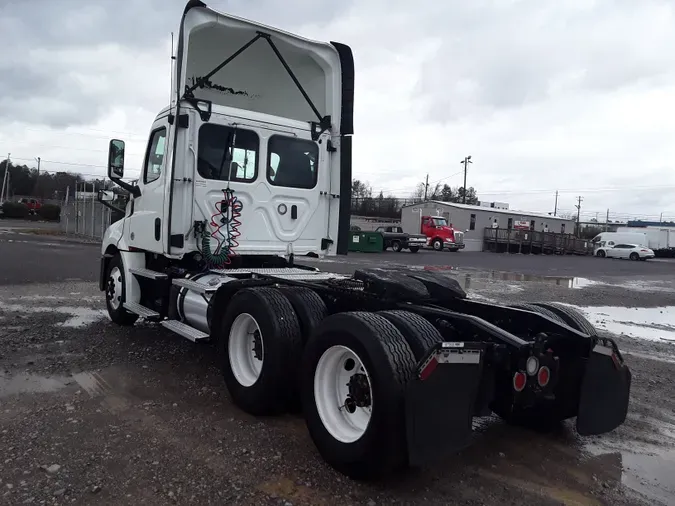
454,384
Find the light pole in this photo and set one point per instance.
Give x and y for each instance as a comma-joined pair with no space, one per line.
466,162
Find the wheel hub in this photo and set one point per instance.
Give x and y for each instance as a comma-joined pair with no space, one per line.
359,392
257,345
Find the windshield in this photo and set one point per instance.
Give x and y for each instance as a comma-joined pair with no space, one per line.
440,222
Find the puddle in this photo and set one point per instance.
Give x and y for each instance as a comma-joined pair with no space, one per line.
31,383
78,316
479,279
651,323
649,473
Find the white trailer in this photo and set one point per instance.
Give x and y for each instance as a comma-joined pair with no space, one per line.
659,239
249,168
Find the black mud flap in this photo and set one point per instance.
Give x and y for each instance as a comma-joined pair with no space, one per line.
440,401
603,403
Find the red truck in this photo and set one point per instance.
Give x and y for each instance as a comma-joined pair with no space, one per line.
33,205
439,233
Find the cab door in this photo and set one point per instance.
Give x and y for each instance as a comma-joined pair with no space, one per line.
145,224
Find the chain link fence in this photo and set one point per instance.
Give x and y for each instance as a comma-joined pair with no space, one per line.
85,216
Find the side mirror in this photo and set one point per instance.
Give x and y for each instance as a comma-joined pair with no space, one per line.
116,159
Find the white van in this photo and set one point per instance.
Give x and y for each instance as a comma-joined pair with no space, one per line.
607,240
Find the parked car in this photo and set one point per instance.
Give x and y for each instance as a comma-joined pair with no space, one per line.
630,251
33,205
397,240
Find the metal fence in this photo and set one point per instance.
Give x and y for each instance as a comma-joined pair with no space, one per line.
85,215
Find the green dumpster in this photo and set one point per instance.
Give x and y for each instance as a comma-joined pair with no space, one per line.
366,242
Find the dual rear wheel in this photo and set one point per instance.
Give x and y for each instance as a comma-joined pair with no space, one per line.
348,371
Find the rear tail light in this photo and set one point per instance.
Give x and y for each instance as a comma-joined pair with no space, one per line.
645,250
544,376
519,380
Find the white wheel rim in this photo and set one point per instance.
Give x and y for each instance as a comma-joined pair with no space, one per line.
115,288
331,393
246,366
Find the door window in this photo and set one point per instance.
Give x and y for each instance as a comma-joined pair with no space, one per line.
155,156
292,162
220,145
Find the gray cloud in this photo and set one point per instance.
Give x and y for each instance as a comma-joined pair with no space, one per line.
59,69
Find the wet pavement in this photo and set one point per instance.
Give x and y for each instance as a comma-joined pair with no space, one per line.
92,413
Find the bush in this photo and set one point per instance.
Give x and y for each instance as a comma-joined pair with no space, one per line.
50,212
14,210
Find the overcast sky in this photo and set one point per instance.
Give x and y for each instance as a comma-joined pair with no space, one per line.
575,95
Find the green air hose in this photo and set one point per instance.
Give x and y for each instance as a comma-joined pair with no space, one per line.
211,257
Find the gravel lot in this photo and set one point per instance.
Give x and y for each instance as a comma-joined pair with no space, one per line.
91,413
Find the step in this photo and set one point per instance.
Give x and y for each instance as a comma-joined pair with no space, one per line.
140,310
186,331
194,286
147,273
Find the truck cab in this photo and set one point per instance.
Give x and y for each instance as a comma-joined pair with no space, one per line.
237,165
440,234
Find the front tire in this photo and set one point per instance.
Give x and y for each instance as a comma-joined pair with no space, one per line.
260,348
354,372
396,246
414,249
437,244
115,293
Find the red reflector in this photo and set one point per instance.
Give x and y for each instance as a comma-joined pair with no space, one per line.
428,369
615,359
544,376
519,380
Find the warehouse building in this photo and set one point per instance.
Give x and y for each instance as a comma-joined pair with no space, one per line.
473,220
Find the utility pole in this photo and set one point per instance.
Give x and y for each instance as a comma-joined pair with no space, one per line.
38,176
426,187
555,209
607,221
578,206
4,179
466,162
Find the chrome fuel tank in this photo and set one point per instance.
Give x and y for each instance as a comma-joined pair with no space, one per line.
193,307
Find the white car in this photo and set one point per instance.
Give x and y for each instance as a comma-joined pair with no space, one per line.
630,251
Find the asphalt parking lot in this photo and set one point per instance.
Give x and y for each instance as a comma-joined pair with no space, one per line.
91,413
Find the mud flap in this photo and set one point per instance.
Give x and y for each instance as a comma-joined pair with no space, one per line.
603,403
440,401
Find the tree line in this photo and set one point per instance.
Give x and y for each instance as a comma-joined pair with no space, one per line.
25,181
364,203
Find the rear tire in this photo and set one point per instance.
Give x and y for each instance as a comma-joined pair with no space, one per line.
634,257
601,253
570,316
260,348
372,442
308,306
418,332
116,291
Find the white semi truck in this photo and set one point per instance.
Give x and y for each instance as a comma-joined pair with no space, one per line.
248,169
